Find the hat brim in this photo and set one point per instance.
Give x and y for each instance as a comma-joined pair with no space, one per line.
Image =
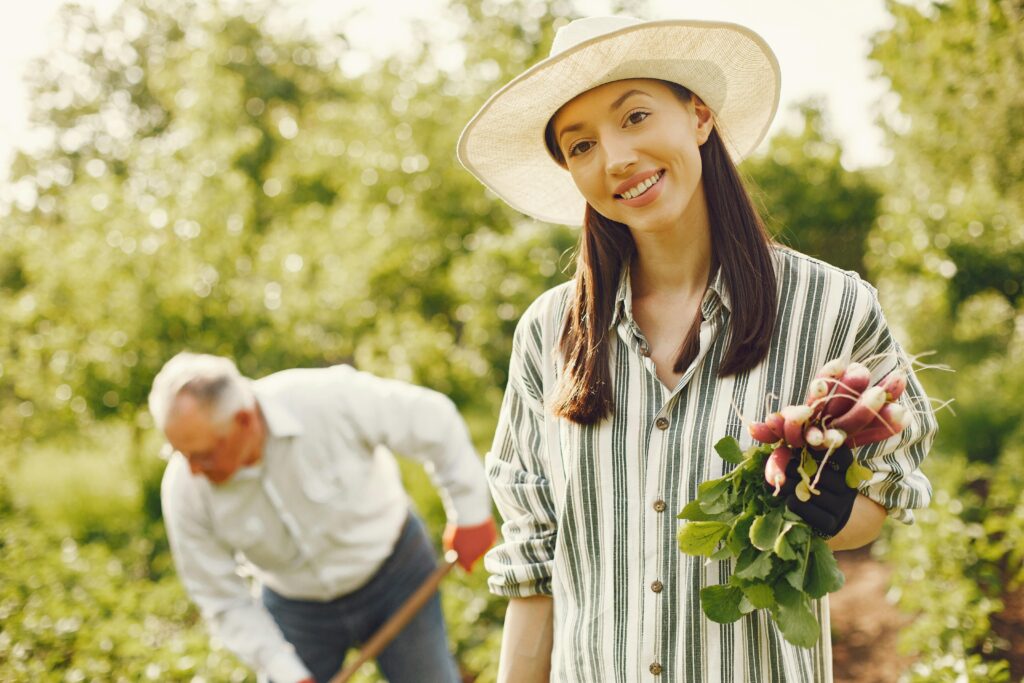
728,66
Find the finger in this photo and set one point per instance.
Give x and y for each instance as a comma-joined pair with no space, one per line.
832,502
835,482
819,518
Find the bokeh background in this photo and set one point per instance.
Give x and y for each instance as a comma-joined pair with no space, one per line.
219,177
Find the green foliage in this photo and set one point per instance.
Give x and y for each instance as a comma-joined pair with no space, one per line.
811,202
87,611
241,194
953,566
949,244
779,565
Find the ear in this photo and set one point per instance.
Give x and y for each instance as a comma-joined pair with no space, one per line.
244,418
704,118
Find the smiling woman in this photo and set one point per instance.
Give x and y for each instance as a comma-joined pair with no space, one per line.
682,312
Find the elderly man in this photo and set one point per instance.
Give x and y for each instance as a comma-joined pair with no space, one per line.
291,476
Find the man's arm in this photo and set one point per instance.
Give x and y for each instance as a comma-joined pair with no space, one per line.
526,641
208,570
425,425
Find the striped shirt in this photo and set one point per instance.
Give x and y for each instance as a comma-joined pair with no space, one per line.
590,511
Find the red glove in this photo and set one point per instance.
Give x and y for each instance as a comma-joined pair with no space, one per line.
470,542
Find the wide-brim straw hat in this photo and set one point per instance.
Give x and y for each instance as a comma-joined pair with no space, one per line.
728,66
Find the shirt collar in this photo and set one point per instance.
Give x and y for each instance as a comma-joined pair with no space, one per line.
280,421
716,295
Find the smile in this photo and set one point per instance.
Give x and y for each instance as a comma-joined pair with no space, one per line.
641,187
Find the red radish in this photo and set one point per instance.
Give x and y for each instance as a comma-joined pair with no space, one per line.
866,408
894,384
892,419
775,468
768,431
817,390
848,389
833,439
833,369
793,427
814,436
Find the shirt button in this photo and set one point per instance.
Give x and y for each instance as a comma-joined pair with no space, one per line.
661,423
655,669
657,586
659,506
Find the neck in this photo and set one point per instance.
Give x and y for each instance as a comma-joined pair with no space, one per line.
674,260
259,439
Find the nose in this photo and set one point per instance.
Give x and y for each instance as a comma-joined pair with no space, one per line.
619,155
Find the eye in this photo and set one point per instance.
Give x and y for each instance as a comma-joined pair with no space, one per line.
580,147
637,116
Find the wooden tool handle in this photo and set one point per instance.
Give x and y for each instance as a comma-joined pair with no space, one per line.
397,621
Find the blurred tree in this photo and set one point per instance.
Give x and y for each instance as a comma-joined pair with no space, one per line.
811,202
948,249
212,184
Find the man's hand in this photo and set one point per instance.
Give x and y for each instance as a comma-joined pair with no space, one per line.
829,511
470,542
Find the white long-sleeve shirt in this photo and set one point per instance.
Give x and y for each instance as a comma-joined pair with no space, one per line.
322,510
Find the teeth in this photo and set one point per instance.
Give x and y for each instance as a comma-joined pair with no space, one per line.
642,187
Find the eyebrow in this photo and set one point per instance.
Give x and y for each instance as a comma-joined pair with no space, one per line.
614,105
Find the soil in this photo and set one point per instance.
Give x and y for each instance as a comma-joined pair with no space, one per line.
1008,625
865,626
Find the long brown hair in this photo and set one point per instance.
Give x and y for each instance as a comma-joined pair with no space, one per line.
740,246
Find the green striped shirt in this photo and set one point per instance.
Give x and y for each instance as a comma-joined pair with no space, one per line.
589,511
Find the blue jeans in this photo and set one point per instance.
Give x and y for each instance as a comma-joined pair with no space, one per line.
322,632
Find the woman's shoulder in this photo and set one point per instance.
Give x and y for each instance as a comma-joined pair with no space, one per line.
796,266
549,308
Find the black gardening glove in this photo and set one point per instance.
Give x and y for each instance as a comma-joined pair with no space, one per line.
829,511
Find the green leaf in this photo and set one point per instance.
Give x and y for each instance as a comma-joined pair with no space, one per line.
721,604
823,574
760,595
765,530
856,474
794,617
753,565
795,576
700,538
711,490
782,548
721,504
723,553
694,513
729,450
739,537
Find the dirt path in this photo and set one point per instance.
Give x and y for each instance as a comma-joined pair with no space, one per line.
864,625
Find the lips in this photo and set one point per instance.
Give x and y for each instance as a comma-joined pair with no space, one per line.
638,184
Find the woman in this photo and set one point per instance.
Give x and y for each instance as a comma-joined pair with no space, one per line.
681,315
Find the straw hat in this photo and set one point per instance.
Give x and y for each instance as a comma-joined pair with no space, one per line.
728,66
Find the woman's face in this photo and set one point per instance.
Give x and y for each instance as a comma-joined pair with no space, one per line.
632,148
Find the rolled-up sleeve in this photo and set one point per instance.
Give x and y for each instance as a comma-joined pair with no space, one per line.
521,565
897,482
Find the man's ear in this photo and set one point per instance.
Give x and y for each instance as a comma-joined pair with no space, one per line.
705,120
244,418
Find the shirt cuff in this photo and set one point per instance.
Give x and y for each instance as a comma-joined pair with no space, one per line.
286,667
472,509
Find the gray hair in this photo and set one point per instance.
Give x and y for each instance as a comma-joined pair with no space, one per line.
213,380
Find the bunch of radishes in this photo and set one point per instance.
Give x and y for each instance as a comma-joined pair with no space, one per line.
841,409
